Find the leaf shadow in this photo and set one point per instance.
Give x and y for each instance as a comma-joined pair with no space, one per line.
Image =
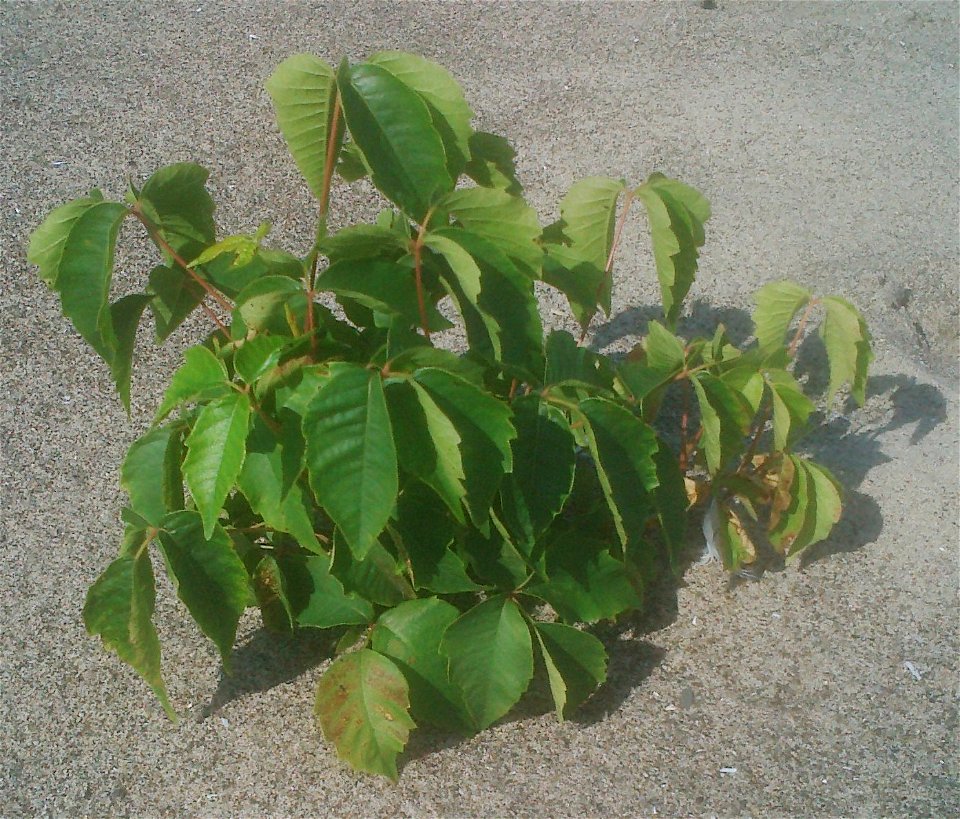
268,659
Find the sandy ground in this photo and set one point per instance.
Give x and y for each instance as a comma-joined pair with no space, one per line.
826,138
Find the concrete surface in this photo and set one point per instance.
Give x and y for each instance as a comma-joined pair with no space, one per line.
826,138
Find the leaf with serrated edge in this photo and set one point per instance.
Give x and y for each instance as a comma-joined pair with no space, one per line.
176,201
410,635
725,416
200,372
791,407
317,598
215,454
379,284
825,503
361,704
143,474
664,350
47,242
576,664
119,607
351,457
303,89
787,525
491,658
209,576
847,340
777,304
125,315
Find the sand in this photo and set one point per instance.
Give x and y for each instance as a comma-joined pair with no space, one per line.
825,137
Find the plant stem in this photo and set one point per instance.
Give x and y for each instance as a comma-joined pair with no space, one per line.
795,342
418,272
684,420
627,202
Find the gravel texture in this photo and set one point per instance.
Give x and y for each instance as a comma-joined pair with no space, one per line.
826,138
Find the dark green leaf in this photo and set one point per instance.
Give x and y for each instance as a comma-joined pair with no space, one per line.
176,295
576,664
270,588
361,705
257,355
125,315
176,202
48,241
364,242
383,286
378,577
317,599
491,658
725,415
569,363
491,163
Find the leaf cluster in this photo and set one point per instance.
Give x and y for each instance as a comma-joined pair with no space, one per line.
460,517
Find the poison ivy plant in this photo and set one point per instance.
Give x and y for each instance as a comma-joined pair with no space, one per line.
462,516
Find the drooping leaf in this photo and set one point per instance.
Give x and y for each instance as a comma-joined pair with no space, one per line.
444,98
361,705
351,166
826,505
378,577
428,445
268,479
316,598
777,304
623,446
790,514
791,407
664,350
483,424
383,286
215,454
410,634
209,576
491,163
392,127
202,375
847,340
491,658
175,296
151,473
125,316
506,221
544,457
303,89
567,363
263,304
725,415
576,664
351,457
48,241
270,589
676,214
670,497
364,242
585,582
175,200
119,607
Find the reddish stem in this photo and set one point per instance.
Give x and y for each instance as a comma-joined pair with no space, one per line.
418,273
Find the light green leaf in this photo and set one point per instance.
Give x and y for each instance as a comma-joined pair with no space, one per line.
664,350
483,424
576,664
269,475
351,458
361,705
791,407
176,202
725,416
787,524
47,242
262,304
209,576
255,356
428,444
201,375
119,607
303,89
215,454
777,304
585,582
151,473
506,221
392,127
491,658
443,96
825,502
847,340
623,447
410,634
676,214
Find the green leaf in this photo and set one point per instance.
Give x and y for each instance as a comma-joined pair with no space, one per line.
378,577
506,296
787,524
119,607
491,163
201,375
255,356
483,424
125,316
303,89
671,500
351,458
215,454
493,557
491,658
209,576
567,363
232,279
263,303
361,705
48,241
791,407
269,475
270,589
176,296
428,445
664,350
847,340
383,286
506,221
676,214
410,634
585,582
725,415
826,505
364,242
777,304
576,664
176,202
151,473
351,165
317,599
544,456
581,282
448,109
392,126
623,447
